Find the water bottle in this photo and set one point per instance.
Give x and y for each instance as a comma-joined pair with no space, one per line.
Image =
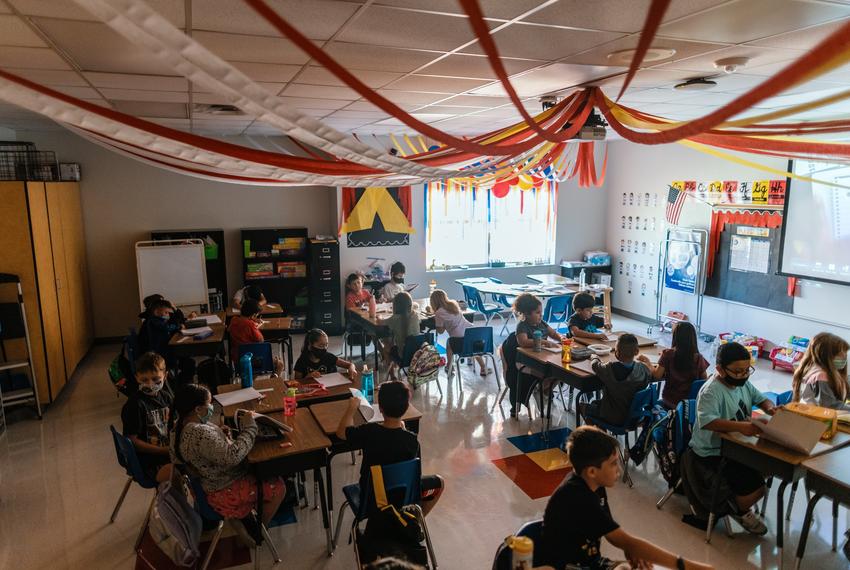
581,280
566,350
367,384
246,370
290,403
522,552
538,340
432,286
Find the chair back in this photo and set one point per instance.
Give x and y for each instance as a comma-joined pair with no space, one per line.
402,485
132,343
534,531
473,298
202,506
261,359
412,344
779,399
696,386
129,460
642,405
477,340
686,416
558,309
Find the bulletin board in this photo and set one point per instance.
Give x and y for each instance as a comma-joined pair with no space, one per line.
746,266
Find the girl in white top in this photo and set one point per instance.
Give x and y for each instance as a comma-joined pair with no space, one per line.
449,318
821,378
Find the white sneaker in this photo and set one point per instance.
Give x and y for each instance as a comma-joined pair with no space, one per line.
751,523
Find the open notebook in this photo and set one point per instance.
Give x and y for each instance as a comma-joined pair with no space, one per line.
371,412
796,432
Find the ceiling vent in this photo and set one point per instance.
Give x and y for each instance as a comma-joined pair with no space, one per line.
220,109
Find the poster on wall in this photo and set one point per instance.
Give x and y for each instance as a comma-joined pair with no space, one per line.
748,253
682,268
376,216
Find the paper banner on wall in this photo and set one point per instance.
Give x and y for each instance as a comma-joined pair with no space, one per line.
376,216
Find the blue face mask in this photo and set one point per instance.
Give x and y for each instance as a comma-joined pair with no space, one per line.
207,416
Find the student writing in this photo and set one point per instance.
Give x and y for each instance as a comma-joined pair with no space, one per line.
583,323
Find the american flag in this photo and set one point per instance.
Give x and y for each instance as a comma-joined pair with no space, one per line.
675,201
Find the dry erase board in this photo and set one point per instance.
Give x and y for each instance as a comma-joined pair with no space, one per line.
745,269
175,269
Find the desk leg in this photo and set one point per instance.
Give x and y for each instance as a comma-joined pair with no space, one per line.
288,341
606,300
317,474
807,523
834,525
780,519
362,343
330,495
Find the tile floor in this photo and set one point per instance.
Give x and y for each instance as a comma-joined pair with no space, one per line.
59,481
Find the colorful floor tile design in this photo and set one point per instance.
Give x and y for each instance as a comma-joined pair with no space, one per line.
541,466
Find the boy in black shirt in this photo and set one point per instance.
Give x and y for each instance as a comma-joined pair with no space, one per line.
577,515
145,415
388,442
583,323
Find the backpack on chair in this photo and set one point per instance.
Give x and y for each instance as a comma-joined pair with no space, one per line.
174,525
425,365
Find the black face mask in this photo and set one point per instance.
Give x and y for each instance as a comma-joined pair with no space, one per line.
318,352
737,382
398,279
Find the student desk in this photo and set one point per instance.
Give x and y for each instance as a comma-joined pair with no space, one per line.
643,341
826,476
274,390
269,310
309,451
276,329
551,279
329,414
773,460
183,345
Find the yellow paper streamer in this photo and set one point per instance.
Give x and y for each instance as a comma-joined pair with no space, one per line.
410,144
397,146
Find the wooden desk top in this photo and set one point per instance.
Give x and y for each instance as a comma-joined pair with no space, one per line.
834,466
552,279
844,427
784,454
424,313
276,324
642,340
546,357
269,309
585,365
328,415
217,336
273,400
306,437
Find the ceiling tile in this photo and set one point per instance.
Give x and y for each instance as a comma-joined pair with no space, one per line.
402,28
437,84
14,32
316,19
802,39
235,47
204,95
411,98
611,15
542,42
465,65
448,109
150,109
347,114
360,56
599,54
269,72
320,91
27,57
78,92
640,96
555,77
314,75
366,106
139,95
645,78
141,82
314,103
704,64
750,20
491,8
70,10
476,101
424,117
51,77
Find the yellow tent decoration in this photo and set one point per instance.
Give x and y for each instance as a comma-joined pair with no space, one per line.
377,200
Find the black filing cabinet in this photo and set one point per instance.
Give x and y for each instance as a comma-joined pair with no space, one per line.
325,303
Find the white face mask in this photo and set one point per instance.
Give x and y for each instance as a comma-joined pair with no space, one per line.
151,389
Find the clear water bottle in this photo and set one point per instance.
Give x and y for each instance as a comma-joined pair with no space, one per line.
522,552
537,338
582,280
290,403
432,286
246,370
367,384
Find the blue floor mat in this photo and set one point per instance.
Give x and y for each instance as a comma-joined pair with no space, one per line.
536,441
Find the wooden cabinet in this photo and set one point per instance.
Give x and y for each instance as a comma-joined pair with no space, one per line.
43,241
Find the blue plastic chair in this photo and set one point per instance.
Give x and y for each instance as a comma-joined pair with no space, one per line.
411,345
780,399
686,414
262,360
506,302
557,311
641,408
477,341
534,531
129,460
477,304
696,386
402,484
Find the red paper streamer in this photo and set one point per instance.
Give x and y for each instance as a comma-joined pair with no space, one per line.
650,28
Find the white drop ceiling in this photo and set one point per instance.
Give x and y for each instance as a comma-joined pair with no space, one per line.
420,55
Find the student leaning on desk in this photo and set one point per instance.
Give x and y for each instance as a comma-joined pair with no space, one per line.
583,323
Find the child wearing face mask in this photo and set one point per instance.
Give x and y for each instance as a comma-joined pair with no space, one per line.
145,416
725,404
156,330
245,328
821,378
219,460
396,283
315,360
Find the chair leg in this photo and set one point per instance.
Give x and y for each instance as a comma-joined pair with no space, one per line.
315,494
144,524
791,500
352,537
626,477
339,523
502,395
270,544
496,371
834,525
120,500
663,500
213,545
428,544
709,527
353,458
728,524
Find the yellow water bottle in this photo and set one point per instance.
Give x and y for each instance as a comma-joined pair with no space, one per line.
522,552
566,348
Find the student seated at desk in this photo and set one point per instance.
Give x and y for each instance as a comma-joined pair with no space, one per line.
248,292
530,310
621,380
396,283
725,404
145,416
315,360
449,318
156,332
177,317
679,366
821,377
356,296
245,327
583,323
388,442
218,459
403,323
578,516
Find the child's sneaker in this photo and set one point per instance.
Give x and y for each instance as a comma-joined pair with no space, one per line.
751,523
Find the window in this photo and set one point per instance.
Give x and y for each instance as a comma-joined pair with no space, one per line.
476,228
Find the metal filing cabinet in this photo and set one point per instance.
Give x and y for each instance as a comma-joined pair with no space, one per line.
324,276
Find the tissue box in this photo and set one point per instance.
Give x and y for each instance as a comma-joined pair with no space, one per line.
826,415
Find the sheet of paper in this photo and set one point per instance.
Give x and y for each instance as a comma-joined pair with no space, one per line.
332,380
844,418
370,412
237,396
793,431
611,337
196,331
384,307
235,311
211,319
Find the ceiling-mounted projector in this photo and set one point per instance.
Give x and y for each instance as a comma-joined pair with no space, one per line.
593,129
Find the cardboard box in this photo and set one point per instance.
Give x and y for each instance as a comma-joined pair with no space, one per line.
826,415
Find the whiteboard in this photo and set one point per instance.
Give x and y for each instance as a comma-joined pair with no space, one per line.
176,269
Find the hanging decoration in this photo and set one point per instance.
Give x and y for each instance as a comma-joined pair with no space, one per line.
376,216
